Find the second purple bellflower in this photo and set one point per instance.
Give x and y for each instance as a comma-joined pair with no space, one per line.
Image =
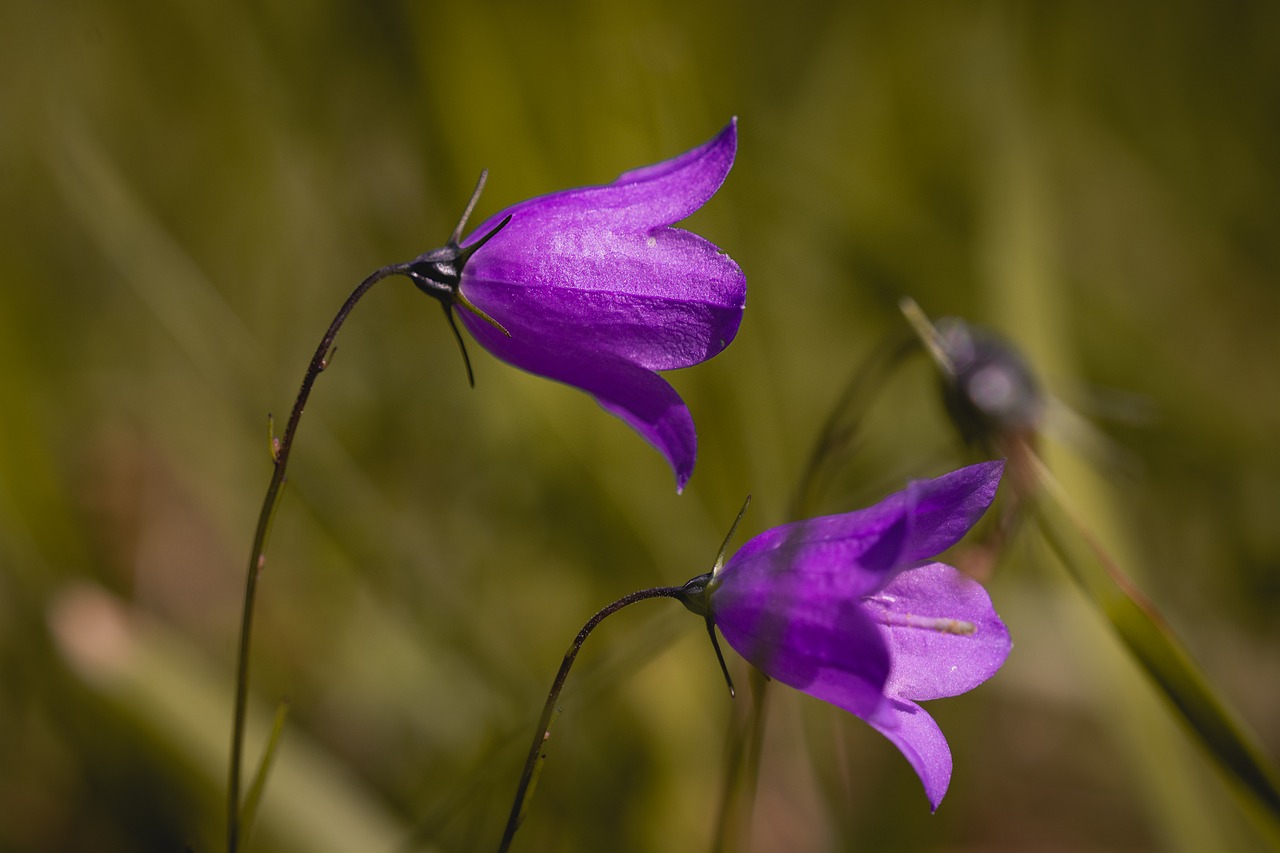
855,610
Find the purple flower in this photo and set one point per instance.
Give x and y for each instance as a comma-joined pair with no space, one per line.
594,288
851,609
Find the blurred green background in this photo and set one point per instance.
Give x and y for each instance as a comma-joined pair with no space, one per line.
189,190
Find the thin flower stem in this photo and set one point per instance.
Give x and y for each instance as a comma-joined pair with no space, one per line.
524,789
258,558
741,771
838,439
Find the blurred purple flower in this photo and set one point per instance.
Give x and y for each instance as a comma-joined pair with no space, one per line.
593,288
851,609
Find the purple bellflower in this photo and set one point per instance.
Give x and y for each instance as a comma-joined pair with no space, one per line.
852,609
592,287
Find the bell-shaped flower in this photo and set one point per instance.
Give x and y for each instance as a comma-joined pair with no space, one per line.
852,609
594,288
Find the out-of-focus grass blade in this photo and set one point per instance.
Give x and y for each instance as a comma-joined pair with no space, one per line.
249,810
1153,644
741,774
174,698
1138,624
844,426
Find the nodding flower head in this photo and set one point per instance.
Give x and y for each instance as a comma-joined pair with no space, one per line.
852,609
991,391
592,287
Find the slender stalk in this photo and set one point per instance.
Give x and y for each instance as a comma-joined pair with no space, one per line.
523,790
258,557
741,771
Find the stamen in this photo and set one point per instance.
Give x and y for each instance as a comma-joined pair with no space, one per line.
957,627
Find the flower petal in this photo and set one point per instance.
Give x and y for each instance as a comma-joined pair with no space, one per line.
943,509
921,742
822,645
929,663
638,200
839,557
640,397
862,550
600,266
662,300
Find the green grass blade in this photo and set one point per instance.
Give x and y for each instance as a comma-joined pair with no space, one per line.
249,811
1156,648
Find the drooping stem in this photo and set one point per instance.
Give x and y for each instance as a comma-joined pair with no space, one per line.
524,790
258,557
741,770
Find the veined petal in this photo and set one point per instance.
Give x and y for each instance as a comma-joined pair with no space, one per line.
646,401
819,644
864,549
798,600
593,288
943,509
639,200
664,300
921,742
840,557
929,663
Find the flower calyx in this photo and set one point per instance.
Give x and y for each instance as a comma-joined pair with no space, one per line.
696,594
438,273
696,597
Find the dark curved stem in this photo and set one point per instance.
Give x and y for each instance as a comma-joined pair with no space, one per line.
258,558
842,430
523,790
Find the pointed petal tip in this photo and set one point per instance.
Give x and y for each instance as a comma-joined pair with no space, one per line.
717,154
979,481
916,735
683,471
992,473
988,471
728,136
935,789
